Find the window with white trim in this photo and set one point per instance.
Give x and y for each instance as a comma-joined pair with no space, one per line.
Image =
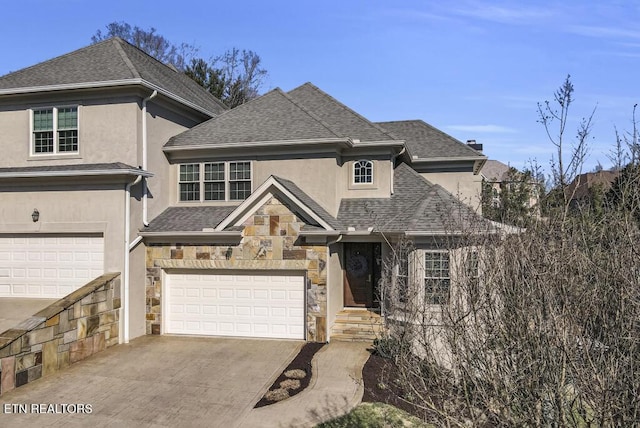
363,172
54,130
437,279
239,180
214,181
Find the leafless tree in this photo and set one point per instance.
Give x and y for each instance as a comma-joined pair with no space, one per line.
538,327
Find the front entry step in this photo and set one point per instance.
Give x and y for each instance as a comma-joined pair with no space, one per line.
357,325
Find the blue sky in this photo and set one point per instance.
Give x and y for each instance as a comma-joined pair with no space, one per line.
475,69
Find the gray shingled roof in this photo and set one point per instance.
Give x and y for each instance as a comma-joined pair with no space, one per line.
272,117
195,218
416,205
303,113
494,170
342,120
310,203
425,141
188,219
108,61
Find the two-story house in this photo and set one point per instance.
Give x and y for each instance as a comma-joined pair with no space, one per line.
266,220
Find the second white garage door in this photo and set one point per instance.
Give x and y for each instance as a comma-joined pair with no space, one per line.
247,305
48,266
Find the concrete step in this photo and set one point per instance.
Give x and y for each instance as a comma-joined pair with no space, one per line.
357,325
351,338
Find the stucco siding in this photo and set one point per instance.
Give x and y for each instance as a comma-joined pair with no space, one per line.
464,185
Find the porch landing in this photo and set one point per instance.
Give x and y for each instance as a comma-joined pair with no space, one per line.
357,325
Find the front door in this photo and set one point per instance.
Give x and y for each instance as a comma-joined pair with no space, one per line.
359,274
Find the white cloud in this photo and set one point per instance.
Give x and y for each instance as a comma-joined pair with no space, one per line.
502,14
497,129
610,32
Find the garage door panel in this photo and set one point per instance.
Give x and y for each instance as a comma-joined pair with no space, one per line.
237,305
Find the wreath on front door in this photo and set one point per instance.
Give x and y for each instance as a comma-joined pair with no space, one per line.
357,265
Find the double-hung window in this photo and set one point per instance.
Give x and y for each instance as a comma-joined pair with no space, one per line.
54,130
214,181
239,180
437,280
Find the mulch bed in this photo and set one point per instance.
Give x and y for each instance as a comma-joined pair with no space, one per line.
302,361
379,375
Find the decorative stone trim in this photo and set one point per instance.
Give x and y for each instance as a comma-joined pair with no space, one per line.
67,331
270,242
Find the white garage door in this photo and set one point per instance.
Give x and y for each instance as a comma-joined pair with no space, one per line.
235,305
48,266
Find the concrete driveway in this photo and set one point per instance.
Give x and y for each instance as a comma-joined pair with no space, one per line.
155,381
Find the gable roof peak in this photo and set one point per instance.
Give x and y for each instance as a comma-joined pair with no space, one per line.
110,62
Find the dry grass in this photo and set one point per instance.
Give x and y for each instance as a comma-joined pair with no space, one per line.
290,384
295,374
277,394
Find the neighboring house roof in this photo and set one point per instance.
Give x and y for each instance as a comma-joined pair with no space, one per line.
416,206
116,168
580,187
189,219
495,171
427,142
112,62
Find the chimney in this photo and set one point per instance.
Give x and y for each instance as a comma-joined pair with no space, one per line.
474,145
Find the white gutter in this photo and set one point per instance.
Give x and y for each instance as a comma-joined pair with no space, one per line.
271,143
206,234
448,159
124,336
107,84
75,173
145,220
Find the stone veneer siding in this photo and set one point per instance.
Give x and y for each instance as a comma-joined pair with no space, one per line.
69,330
269,242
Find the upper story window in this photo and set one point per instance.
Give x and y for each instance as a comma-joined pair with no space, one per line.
437,280
363,172
55,130
214,181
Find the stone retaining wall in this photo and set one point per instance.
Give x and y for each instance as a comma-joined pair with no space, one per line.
69,330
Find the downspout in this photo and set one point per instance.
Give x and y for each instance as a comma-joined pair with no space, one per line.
393,161
145,220
124,337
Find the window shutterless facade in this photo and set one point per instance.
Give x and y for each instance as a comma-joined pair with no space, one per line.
437,280
54,130
214,181
363,172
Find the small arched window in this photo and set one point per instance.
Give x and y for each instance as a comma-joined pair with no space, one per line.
363,172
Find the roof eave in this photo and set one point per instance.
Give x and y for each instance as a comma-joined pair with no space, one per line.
343,142
76,173
192,234
478,161
107,84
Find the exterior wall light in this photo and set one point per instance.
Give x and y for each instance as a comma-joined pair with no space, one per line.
35,215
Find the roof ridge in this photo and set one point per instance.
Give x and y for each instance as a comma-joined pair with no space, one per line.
117,42
310,113
347,108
